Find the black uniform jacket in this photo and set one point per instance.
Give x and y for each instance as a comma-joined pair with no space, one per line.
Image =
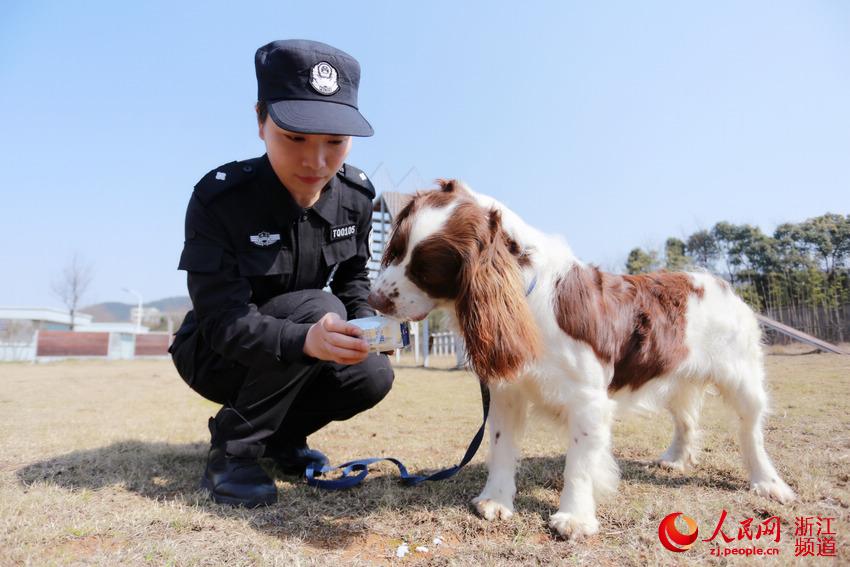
248,241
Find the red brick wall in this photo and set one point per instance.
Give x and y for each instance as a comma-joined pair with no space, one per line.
67,343
152,345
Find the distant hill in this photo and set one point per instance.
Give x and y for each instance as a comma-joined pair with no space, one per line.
180,303
109,312
116,312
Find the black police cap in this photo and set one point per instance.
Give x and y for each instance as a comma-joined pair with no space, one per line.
310,87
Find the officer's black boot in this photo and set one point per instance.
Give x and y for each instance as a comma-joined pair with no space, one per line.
292,457
237,481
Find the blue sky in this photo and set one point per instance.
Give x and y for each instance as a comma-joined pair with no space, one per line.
615,124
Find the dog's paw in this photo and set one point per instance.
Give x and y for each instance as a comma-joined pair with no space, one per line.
775,489
671,465
490,509
573,527
676,462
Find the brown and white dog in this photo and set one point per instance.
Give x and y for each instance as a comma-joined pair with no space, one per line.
543,328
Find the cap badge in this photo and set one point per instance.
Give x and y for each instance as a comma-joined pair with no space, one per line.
264,239
323,78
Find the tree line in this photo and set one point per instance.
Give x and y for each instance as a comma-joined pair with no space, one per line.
799,274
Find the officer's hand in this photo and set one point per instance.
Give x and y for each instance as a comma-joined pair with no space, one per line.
335,340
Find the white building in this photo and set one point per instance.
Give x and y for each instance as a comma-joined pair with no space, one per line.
24,321
31,319
150,315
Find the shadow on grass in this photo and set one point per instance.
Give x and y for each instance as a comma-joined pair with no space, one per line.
166,472
804,353
413,366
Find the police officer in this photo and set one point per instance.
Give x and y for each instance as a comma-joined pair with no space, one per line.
263,238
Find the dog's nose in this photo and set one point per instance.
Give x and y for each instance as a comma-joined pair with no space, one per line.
379,301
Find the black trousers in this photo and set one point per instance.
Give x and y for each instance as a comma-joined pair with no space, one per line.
281,405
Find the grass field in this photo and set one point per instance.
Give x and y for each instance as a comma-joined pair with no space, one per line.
100,463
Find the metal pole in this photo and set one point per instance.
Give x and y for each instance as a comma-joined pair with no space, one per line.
418,343
460,354
425,341
383,225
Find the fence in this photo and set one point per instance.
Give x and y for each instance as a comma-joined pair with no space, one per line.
57,345
827,324
67,343
17,350
442,344
152,344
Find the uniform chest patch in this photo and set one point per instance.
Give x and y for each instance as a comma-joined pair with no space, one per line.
264,239
343,231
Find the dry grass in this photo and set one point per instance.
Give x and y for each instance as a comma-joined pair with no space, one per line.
101,459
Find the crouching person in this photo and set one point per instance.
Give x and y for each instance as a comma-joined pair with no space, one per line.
263,237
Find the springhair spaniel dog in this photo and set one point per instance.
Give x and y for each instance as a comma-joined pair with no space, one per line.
542,327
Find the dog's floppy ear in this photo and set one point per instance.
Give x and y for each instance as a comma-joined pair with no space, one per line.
498,328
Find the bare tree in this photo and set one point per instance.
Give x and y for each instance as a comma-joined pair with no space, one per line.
72,284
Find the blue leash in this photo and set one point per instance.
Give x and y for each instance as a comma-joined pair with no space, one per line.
353,472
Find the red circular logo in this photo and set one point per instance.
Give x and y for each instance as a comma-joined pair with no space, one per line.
672,538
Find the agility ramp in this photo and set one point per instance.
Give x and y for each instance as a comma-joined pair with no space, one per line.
798,335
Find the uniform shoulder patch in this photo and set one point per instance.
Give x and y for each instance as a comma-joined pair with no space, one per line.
224,177
357,179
